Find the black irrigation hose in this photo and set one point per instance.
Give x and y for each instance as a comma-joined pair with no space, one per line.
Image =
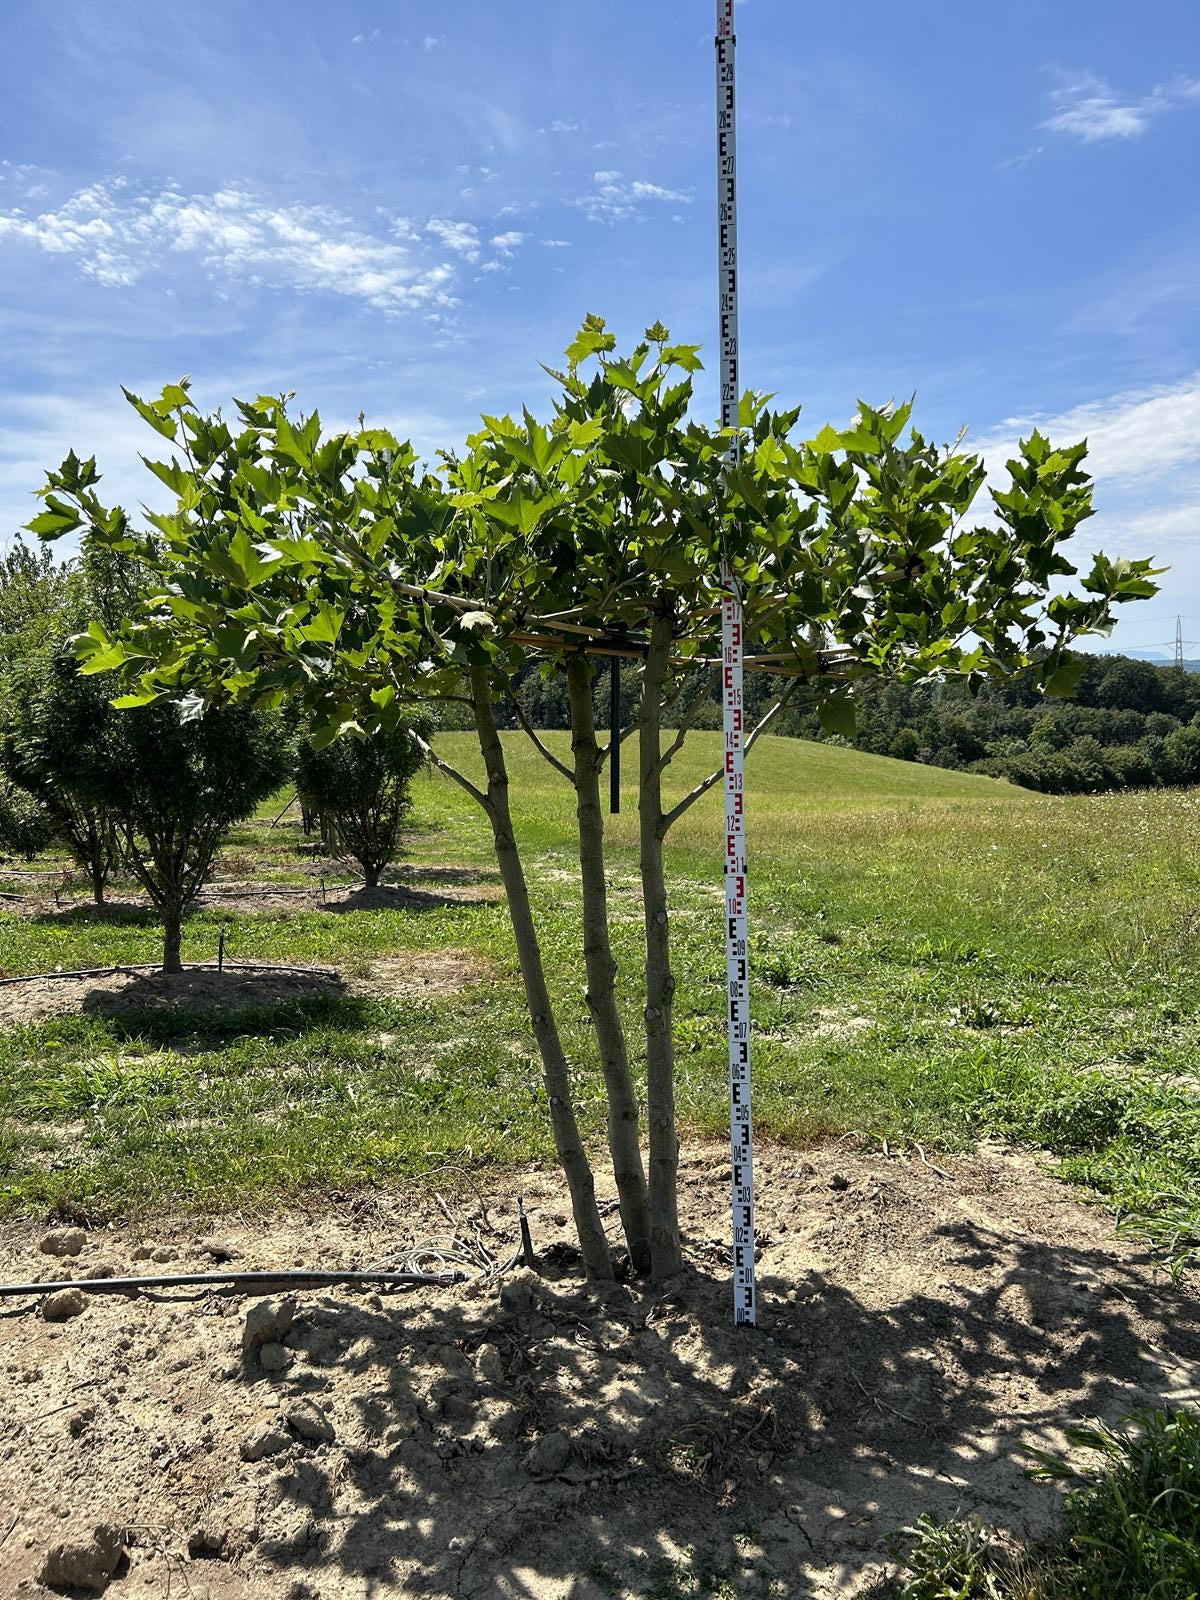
156,966
437,1280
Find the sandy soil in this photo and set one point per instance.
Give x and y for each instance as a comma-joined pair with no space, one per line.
524,1437
203,988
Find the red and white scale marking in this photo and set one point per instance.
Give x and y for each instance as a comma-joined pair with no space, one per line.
737,954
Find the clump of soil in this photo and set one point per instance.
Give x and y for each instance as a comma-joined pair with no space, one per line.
203,988
526,1436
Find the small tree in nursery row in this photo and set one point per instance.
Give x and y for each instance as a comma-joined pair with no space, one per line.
358,790
140,785
336,568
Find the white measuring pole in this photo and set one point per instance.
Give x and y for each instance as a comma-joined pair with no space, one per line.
737,952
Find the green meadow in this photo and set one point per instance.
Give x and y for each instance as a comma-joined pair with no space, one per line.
937,958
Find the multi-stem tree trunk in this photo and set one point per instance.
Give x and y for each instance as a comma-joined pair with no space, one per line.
556,1074
623,1139
665,1254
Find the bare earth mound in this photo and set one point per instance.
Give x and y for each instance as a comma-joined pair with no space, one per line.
528,1438
203,988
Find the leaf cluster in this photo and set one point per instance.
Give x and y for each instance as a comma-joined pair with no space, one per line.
338,566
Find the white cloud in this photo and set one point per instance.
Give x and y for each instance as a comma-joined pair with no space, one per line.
506,243
556,244
1014,163
1088,108
1156,529
563,127
615,198
1133,436
461,237
432,40
119,236
1144,454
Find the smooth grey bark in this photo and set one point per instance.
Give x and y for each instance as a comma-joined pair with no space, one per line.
623,1136
556,1073
665,1254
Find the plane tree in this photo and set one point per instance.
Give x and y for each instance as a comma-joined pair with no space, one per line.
338,568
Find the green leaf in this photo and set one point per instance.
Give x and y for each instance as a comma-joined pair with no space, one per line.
1064,680
838,715
167,425
52,524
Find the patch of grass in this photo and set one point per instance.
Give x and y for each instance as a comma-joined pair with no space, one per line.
1131,1527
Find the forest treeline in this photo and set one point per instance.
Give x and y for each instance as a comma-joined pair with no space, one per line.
1129,725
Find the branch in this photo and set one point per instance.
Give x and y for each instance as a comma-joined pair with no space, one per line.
681,732
431,754
676,700
689,799
541,747
629,729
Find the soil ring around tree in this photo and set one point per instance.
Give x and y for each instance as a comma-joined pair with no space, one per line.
528,1436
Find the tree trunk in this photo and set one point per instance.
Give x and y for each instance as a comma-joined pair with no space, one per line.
99,883
665,1254
555,1072
172,935
623,1141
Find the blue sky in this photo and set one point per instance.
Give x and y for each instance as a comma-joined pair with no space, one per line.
403,208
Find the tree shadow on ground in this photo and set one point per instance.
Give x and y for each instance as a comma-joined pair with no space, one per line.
549,1442
199,1000
399,897
205,991
113,914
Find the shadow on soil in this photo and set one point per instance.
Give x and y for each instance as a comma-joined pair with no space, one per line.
553,1443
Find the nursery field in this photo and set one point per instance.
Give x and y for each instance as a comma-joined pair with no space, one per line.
978,1113
937,957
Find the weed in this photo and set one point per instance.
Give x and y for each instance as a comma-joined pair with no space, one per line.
1131,1527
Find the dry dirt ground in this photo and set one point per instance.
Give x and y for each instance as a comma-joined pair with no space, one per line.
202,988
521,1436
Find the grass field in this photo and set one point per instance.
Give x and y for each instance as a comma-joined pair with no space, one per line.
938,957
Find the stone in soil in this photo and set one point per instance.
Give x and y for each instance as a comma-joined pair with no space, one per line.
274,1358
489,1366
310,1422
164,1253
263,1440
86,1563
207,1542
63,1242
217,1249
549,1455
267,1322
63,1305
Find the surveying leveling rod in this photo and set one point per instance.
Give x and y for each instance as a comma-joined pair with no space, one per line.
737,953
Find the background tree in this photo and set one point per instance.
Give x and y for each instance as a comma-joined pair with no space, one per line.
53,718
25,829
337,569
174,788
358,789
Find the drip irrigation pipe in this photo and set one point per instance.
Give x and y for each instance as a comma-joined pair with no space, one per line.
182,1280
156,966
